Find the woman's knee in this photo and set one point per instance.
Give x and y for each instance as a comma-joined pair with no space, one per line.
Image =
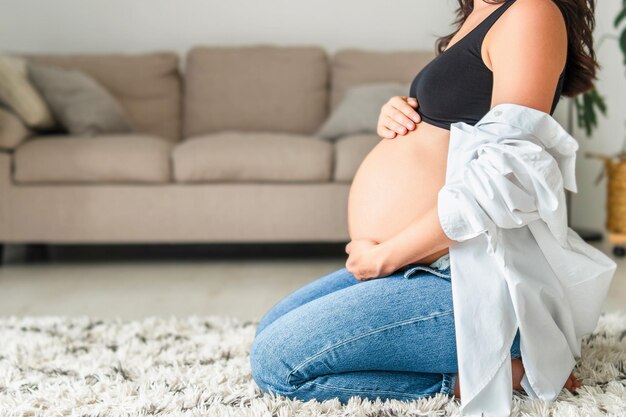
324,285
259,358
269,371
263,323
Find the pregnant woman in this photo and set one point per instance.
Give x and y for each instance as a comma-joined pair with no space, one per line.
383,326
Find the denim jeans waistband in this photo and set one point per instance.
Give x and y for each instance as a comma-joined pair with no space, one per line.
442,262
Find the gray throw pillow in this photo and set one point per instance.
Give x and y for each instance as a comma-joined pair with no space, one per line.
358,111
78,102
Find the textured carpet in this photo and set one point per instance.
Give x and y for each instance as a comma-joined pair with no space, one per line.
198,366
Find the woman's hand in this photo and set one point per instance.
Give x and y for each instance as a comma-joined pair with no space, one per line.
366,260
398,116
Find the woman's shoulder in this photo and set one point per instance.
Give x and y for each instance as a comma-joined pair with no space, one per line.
527,51
533,19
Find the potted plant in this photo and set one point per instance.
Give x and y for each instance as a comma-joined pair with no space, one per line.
614,165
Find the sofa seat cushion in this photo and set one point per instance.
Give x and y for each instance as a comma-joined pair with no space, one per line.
246,156
350,152
125,158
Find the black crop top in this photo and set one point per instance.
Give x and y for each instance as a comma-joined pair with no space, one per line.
456,86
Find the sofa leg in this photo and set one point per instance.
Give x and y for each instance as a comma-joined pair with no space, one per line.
37,252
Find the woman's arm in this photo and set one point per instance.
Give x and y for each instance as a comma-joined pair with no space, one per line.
421,238
526,52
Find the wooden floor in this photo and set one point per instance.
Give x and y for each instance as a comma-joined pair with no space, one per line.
138,281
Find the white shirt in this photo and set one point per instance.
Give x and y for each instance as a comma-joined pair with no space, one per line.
516,263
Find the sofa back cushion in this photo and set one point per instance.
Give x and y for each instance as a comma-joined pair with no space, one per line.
146,85
261,88
351,67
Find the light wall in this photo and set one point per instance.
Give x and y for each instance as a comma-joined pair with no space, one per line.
67,26
139,25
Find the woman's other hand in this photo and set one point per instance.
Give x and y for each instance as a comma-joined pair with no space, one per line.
398,116
366,260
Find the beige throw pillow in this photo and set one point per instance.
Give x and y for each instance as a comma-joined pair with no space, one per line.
17,93
358,111
12,129
78,102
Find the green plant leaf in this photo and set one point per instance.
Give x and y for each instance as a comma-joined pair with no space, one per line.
580,116
590,115
583,119
599,100
587,105
620,16
622,44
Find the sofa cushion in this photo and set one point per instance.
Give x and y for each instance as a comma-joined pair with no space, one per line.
359,110
255,88
245,156
351,67
109,158
146,85
18,94
78,102
12,129
350,152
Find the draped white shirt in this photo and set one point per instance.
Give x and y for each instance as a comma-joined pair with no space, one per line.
516,263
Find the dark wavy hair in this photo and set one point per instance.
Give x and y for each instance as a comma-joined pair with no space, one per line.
581,65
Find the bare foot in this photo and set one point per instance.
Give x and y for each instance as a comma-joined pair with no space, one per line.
572,383
517,371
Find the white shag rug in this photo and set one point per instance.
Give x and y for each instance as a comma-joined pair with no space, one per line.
198,366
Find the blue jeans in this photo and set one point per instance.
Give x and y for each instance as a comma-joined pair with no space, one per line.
338,337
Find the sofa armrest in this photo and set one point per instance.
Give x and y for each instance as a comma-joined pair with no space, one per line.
13,131
5,171
5,197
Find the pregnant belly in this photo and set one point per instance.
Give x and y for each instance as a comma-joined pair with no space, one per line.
398,182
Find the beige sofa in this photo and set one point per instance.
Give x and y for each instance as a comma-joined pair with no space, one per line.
224,150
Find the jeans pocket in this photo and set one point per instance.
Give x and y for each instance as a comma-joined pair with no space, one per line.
443,273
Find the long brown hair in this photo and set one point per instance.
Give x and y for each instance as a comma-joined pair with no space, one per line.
579,15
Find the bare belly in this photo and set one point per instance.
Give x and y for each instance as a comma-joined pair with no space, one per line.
397,182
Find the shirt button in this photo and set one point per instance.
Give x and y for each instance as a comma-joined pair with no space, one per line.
497,113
